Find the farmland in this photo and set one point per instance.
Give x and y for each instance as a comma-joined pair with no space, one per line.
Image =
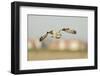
44,54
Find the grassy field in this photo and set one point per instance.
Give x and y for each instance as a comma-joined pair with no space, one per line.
55,54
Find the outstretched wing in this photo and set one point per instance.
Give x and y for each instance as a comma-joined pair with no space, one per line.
45,35
68,30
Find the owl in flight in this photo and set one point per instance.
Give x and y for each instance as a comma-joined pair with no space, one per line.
57,35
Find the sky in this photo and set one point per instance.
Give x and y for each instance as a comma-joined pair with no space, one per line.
40,24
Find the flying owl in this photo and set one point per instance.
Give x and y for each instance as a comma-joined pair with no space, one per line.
57,34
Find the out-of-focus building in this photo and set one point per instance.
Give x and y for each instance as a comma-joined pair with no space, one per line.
68,45
45,43
34,43
58,44
77,45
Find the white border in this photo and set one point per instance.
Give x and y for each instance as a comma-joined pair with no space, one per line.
26,65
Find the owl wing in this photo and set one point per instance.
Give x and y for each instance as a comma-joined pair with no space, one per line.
45,35
68,30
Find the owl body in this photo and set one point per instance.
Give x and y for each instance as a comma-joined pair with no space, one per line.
56,35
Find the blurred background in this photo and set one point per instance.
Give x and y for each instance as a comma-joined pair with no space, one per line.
69,46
